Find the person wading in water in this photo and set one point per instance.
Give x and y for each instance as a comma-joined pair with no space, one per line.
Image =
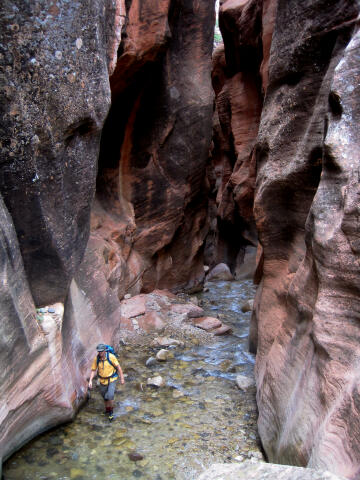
108,370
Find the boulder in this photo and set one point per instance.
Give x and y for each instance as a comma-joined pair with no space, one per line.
220,272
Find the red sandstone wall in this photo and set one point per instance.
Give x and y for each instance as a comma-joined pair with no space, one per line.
305,145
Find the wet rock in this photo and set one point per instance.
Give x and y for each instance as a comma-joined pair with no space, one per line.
157,381
137,473
248,306
162,355
244,383
177,393
77,474
135,456
220,272
150,362
50,452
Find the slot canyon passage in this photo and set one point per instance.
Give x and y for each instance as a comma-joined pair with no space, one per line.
193,200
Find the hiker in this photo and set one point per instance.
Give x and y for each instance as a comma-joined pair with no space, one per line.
108,370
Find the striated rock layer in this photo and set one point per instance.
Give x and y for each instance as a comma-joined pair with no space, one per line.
239,78
306,320
148,221
151,209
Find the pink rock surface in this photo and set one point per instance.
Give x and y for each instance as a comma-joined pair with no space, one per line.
207,323
150,184
190,310
306,310
151,322
134,306
222,330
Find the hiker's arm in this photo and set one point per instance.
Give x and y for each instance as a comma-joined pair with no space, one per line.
92,375
121,375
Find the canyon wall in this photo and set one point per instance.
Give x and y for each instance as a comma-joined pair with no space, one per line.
105,134
305,325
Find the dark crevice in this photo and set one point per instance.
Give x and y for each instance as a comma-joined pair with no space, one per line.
335,104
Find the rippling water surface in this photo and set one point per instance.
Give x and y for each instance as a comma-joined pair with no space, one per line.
200,417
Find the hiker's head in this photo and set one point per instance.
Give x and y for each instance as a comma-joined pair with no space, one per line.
101,349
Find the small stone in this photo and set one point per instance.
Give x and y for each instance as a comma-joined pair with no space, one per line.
135,456
166,342
43,310
177,394
77,473
162,355
239,458
127,296
51,310
79,43
244,383
157,381
150,362
248,306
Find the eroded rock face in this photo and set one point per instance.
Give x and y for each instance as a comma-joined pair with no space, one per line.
306,210
55,96
148,221
236,77
57,58
151,193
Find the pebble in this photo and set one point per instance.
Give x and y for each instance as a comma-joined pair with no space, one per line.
162,355
244,383
177,394
43,310
157,381
150,361
137,473
135,456
127,296
51,310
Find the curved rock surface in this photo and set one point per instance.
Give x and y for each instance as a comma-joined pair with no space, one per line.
306,312
148,222
151,190
304,56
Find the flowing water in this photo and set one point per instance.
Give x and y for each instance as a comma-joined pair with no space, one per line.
200,417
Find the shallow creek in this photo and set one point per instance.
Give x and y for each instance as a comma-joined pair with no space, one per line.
200,417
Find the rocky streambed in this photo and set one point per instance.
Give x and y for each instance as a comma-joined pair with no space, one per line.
199,417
